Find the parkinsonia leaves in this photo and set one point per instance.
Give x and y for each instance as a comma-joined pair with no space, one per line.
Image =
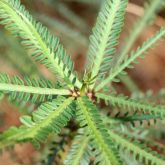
105,36
46,48
118,69
29,89
98,138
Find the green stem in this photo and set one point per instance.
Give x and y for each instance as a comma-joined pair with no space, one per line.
34,90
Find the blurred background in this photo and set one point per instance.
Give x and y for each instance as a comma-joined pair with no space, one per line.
72,21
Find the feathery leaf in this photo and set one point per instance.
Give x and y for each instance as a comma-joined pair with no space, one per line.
34,90
50,117
137,149
79,151
105,36
88,116
132,105
46,48
133,56
150,10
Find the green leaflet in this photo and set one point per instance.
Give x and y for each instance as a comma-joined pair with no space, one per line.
79,151
11,136
129,118
88,116
105,35
140,118
48,118
45,120
46,48
130,59
151,8
133,105
150,96
34,90
144,154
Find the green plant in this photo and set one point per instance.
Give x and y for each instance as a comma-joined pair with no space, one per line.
71,98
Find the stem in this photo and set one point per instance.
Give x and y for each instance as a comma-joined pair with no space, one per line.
34,90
